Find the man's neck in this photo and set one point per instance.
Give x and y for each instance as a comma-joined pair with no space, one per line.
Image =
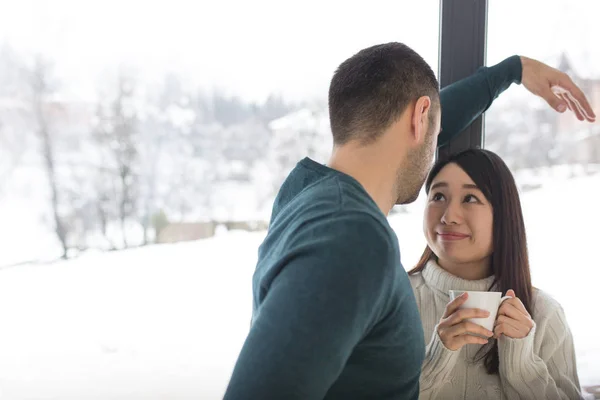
369,166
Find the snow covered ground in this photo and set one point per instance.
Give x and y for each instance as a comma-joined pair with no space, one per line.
163,322
167,321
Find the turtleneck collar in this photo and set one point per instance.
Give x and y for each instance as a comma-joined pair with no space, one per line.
442,281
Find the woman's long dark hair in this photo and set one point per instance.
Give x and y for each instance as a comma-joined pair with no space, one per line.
509,259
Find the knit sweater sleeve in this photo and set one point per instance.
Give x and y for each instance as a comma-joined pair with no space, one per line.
437,367
439,363
542,365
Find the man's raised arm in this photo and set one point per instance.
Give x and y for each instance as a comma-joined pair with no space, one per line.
464,101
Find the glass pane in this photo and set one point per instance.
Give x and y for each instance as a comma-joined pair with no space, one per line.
555,158
166,127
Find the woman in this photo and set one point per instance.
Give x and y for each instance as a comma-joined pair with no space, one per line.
476,241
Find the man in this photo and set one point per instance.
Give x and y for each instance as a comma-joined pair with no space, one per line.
334,314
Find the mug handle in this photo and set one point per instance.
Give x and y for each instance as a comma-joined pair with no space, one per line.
505,298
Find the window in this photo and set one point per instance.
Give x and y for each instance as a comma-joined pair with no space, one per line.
123,124
554,157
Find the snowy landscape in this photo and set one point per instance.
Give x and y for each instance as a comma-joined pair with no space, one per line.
138,167
167,321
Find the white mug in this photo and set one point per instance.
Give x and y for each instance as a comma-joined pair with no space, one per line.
488,301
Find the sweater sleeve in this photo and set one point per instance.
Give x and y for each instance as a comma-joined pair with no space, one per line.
464,101
437,367
317,309
546,374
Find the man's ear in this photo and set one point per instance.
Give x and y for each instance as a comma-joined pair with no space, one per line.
420,119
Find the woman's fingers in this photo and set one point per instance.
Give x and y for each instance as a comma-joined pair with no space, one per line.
452,306
467,327
467,313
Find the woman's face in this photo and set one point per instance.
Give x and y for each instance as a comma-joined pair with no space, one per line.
458,221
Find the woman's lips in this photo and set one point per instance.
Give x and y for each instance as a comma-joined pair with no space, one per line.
452,236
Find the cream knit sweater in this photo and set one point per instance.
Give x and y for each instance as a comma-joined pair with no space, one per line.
540,366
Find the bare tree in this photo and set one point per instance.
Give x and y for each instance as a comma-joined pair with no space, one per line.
165,119
42,87
116,133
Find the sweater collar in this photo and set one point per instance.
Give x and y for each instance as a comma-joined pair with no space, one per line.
442,281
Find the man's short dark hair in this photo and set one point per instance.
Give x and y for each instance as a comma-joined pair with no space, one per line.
371,89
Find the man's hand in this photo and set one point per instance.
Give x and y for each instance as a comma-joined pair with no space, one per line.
556,88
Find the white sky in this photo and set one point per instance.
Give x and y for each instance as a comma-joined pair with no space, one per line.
252,48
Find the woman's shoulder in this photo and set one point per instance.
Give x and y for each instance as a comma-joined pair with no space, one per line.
416,280
551,323
545,306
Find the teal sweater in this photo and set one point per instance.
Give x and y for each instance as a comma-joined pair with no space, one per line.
334,316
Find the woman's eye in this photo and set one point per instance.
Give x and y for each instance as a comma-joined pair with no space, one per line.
437,197
471,199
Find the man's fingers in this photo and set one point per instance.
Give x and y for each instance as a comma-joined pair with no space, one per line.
540,79
564,98
577,99
574,106
555,101
574,91
579,107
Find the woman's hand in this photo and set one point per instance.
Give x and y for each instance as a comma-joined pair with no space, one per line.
455,332
513,319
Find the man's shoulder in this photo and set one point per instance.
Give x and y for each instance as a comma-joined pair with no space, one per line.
332,222
339,190
347,225
349,238
333,200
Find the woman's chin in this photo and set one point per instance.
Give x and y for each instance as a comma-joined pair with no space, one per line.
454,258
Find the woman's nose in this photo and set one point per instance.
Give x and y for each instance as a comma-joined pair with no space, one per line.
452,215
